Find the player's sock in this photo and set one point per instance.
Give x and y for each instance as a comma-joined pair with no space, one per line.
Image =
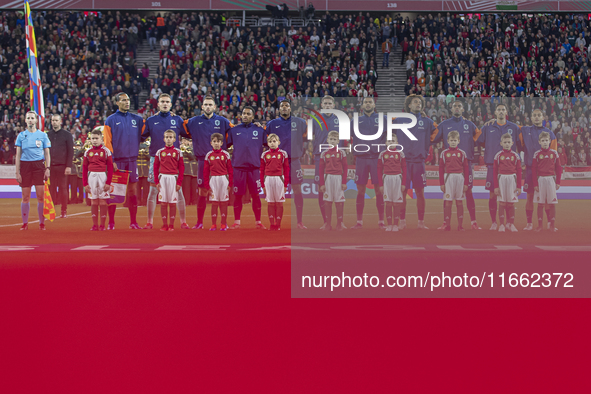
502,211
548,215
360,204
133,208
214,213
271,212
492,208
112,209
182,206
237,207
389,213
540,215
299,205
397,207
447,213
151,203
163,213
256,207
328,212
103,209
322,206
530,214
552,211
460,208
471,205
278,213
25,207
380,206
340,210
40,212
94,210
510,213
421,207
171,214
202,204
224,211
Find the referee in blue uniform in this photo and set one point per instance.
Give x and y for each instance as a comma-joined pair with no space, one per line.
32,166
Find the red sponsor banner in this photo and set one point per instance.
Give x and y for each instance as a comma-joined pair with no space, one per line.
331,5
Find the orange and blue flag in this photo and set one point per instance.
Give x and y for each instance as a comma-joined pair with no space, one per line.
34,76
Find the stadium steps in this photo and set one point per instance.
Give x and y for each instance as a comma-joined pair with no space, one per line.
390,83
152,59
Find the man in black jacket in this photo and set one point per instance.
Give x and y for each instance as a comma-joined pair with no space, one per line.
61,151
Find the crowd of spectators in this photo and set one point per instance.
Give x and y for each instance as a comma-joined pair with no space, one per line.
259,66
85,58
536,60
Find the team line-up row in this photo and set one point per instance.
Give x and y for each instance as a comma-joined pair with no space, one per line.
249,167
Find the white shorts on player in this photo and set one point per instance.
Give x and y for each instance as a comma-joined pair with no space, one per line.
275,187
507,187
393,188
334,191
97,181
219,188
168,193
454,187
547,193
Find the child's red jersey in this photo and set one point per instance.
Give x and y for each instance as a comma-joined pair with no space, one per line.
275,162
97,159
169,160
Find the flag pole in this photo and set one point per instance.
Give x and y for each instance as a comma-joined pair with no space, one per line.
34,75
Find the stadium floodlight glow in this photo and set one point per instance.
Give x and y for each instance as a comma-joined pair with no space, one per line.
345,129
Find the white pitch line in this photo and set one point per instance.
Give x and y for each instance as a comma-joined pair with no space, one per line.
37,221
347,214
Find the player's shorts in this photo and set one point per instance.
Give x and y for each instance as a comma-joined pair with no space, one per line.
32,173
392,188
275,187
151,170
364,168
219,188
334,191
454,187
247,179
131,167
296,172
471,175
528,186
547,193
490,177
168,193
507,187
97,181
317,169
415,174
200,167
